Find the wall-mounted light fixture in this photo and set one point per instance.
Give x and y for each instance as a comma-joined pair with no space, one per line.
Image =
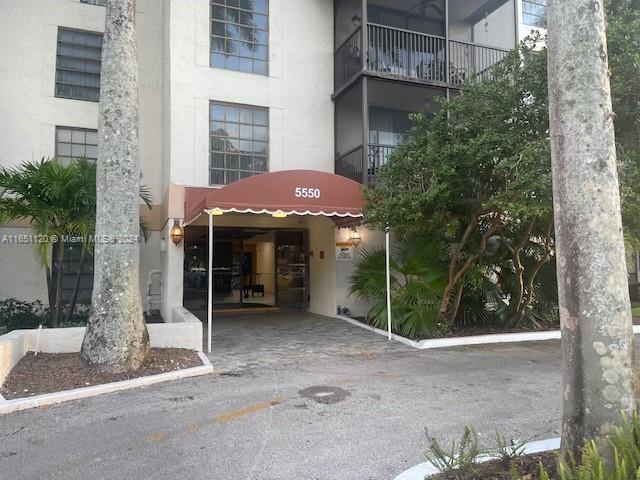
176,232
355,237
216,212
356,20
279,214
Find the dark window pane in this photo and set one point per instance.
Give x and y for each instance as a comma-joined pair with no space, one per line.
261,117
76,143
218,12
217,160
78,64
260,67
245,162
239,28
234,149
232,176
233,162
260,6
217,177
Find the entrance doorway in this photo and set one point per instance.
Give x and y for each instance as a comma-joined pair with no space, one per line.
252,268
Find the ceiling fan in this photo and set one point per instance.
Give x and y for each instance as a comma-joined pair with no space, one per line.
425,5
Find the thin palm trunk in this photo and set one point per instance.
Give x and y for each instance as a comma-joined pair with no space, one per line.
116,337
59,273
595,312
76,286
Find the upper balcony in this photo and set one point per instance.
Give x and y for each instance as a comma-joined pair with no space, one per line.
436,42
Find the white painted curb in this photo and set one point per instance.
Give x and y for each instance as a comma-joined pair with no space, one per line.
8,406
419,472
469,340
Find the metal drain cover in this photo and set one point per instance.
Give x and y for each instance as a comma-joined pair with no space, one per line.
325,395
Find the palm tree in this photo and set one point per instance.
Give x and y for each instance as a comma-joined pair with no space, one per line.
116,337
57,199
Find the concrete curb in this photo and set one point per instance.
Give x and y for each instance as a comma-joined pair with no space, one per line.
462,341
9,406
427,469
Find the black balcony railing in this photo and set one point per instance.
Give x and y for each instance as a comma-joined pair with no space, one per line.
407,54
348,59
351,164
470,61
411,55
354,166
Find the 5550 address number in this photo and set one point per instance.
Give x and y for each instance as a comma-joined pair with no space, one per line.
304,192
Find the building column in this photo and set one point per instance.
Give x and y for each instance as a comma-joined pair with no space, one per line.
172,273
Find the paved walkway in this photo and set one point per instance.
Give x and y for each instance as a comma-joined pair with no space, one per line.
242,342
298,397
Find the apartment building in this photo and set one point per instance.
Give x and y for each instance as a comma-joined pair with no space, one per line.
259,122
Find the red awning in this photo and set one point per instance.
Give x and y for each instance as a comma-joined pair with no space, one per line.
292,192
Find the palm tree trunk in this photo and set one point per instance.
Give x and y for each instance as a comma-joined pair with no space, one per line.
116,337
59,272
51,293
76,286
595,312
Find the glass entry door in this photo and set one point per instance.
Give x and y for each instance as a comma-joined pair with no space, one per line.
292,262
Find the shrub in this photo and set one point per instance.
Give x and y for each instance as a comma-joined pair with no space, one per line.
15,314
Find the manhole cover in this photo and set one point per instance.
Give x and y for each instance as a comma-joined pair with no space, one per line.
324,395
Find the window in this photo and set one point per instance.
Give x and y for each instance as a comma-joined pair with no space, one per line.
74,265
239,142
76,143
100,3
240,35
78,64
534,13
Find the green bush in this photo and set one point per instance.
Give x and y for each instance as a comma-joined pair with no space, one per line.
16,314
417,283
624,442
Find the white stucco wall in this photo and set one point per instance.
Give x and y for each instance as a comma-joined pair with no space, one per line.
297,90
344,269
29,111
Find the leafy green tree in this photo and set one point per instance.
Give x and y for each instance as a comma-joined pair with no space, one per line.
477,172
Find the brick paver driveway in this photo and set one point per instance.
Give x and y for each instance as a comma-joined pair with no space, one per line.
295,397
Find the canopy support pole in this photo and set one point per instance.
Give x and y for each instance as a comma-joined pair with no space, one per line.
210,285
388,277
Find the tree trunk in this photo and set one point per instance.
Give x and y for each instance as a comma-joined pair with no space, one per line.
595,312
59,272
76,286
116,337
51,294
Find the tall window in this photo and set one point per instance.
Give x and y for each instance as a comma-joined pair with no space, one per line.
76,143
239,142
78,64
240,35
534,13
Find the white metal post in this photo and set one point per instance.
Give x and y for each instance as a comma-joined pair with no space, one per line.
210,284
388,272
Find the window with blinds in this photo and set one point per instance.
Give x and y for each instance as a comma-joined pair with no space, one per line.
78,64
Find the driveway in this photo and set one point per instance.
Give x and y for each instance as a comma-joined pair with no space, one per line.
295,397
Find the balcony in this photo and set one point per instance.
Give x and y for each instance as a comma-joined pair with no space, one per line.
355,166
396,53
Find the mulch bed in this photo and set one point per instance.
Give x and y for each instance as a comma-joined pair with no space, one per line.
55,372
527,467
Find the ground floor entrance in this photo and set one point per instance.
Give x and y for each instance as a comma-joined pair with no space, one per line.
252,268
